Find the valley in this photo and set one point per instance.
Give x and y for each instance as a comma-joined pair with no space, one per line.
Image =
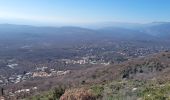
41,61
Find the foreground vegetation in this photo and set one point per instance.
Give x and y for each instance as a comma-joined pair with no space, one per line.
115,90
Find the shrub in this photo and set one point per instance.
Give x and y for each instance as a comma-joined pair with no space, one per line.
97,90
58,92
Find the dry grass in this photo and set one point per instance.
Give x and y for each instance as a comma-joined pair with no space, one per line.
78,94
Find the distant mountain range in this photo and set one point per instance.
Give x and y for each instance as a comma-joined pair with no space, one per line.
155,30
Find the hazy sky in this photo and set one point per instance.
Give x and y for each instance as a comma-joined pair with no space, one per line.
83,11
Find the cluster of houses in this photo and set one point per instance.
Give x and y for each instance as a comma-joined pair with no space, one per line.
39,72
85,60
45,74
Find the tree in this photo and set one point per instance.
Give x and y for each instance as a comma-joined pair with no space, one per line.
58,92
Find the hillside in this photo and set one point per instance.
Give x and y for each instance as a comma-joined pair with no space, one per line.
139,79
113,81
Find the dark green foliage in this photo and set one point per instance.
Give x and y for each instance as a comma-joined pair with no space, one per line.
125,75
83,82
58,92
2,91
